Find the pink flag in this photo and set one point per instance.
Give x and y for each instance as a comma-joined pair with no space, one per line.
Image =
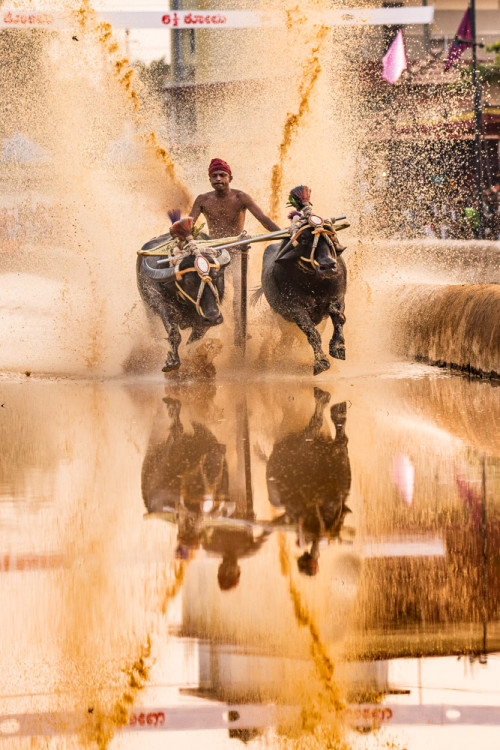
403,474
394,60
464,32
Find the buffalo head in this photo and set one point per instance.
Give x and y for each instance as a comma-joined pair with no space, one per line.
197,278
312,247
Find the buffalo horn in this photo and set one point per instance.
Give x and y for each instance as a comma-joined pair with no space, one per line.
224,258
158,274
157,242
283,250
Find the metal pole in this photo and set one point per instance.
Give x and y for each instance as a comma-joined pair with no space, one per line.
250,515
178,67
477,123
240,310
427,33
484,556
240,483
243,300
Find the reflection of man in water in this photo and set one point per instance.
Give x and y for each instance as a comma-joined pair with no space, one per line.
309,474
233,543
224,209
185,478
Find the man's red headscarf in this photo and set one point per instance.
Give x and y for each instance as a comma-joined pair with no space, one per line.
218,165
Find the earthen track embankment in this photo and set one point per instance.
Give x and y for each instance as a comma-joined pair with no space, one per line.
453,319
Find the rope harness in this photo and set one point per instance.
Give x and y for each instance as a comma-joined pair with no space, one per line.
202,268
209,487
320,228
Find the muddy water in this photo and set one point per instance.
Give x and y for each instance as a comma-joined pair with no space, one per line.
287,563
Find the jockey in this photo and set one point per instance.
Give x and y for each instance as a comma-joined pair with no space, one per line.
224,207
224,210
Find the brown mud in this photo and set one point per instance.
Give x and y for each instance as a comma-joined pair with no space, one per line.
310,72
114,602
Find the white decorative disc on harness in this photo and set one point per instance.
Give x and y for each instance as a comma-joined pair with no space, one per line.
315,221
202,265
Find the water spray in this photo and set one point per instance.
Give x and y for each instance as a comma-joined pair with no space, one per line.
126,76
310,73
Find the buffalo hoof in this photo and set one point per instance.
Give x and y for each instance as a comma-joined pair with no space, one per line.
320,366
171,364
338,413
321,397
338,351
173,406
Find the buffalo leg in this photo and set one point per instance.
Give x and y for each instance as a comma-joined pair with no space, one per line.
306,325
337,342
316,423
338,413
172,361
197,332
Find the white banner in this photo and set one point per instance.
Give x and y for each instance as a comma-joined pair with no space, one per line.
222,19
245,19
408,16
189,19
11,18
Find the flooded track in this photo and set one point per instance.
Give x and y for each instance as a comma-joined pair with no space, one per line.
286,563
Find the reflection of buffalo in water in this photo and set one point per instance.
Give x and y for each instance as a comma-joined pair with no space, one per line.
185,476
309,474
185,472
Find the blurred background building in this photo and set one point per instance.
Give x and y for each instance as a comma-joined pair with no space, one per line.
416,138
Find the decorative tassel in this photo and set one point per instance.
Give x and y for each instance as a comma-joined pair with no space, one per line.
293,213
174,215
197,230
182,229
299,197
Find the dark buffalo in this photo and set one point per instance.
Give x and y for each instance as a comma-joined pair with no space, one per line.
309,476
304,280
186,291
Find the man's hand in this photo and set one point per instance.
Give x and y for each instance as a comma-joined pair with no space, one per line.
242,236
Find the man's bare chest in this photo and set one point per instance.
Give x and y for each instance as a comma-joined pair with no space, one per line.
218,209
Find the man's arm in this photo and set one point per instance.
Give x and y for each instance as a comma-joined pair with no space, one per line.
196,210
259,214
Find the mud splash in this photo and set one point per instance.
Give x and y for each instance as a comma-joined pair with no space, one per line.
126,76
324,706
70,299
107,722
310,73
454,326
106,725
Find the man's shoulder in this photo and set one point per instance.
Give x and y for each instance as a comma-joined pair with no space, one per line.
204,196
241,195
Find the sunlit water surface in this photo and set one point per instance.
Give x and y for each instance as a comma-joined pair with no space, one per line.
284,563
